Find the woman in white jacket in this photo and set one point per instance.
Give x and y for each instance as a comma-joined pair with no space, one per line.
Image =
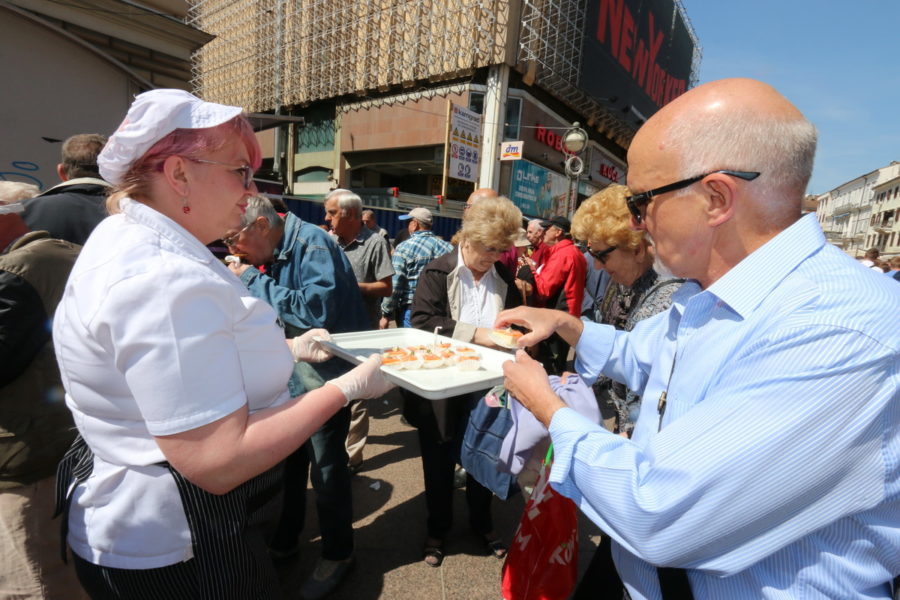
175,375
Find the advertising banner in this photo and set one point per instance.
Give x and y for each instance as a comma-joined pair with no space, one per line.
465,143
603,170
538,192
637,54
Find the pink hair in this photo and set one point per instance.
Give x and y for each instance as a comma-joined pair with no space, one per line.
190,143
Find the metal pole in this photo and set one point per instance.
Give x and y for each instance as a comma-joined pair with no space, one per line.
446,153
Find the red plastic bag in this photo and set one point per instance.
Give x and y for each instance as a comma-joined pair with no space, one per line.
542,563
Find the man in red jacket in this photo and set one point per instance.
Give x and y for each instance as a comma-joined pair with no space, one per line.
559,284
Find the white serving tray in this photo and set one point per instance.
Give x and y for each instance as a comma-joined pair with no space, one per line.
434,384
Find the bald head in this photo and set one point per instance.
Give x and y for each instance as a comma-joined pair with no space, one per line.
481,194
739,124
717,217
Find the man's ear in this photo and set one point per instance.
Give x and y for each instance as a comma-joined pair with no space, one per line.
176,175
263,224
61,172
720,191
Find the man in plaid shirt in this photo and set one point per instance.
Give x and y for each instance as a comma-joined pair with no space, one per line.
409,258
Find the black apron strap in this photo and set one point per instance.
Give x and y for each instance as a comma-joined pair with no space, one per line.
76,466
230,534
674,584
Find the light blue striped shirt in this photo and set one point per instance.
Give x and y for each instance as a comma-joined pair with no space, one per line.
775,474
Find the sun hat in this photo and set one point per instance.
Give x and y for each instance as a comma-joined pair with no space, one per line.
522,239
420,213
154,115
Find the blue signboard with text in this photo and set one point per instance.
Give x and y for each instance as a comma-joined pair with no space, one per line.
538,192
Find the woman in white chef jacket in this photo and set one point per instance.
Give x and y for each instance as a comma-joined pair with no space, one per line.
175,375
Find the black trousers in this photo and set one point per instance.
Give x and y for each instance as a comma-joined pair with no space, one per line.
323,458
439,460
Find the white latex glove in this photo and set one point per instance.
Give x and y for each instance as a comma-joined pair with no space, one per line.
306,349
364,381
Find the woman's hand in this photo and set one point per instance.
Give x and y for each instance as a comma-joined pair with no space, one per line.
524,287
364,381
527,381
307,347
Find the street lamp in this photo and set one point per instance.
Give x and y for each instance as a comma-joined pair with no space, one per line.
575,139
574,142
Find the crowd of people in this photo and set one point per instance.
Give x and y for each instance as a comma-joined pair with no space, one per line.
180,405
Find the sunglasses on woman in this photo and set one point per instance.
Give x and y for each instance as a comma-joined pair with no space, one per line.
603,255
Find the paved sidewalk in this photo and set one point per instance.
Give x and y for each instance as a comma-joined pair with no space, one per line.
389,510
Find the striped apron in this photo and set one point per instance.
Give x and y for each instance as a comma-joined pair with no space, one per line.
229,533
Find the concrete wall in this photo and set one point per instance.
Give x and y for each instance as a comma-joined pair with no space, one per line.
53,88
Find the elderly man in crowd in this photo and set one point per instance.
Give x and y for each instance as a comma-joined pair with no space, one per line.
409,258
765,462
535,233
368,219
71,210
558,283
310,283
370,258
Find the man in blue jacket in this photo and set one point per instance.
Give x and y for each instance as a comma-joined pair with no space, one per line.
310,283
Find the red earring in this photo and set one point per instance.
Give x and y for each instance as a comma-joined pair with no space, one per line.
184,206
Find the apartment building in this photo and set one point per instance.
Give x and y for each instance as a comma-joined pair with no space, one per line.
861,213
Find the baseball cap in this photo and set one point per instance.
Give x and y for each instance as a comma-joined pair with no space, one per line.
420,213
558,221
154,115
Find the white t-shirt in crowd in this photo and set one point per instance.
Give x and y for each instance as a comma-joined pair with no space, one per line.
476,304
154,336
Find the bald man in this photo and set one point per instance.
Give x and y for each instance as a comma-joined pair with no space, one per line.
766,458
480,194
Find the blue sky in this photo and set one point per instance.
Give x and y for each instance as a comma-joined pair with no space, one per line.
837,61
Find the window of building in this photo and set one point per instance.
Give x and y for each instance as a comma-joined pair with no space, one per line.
513,116
317,135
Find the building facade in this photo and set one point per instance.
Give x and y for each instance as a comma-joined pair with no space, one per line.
376,83
862,213
75,66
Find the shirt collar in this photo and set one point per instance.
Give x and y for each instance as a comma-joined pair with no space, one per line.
77,181
748,283
361,237
166,228
462,268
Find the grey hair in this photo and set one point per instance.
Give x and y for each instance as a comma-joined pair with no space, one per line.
260,206
782,150
13,191
347,201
